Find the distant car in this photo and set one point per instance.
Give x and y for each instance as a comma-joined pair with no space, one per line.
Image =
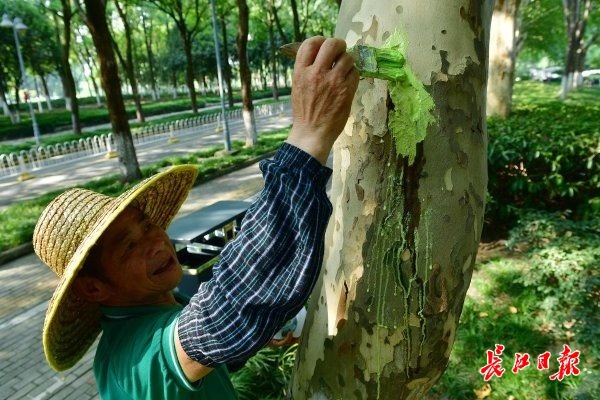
550,74
591,77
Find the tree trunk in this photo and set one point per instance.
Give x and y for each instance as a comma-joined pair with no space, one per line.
408,205
46,92
5,108
296,21
17,107
189,71
246,75
272,53
226,66
503,53
69,81
129,63
37,93
576,13
150,55
96,21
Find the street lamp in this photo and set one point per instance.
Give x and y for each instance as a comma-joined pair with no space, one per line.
17,25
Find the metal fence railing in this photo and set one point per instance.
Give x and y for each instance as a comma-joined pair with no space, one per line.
35,159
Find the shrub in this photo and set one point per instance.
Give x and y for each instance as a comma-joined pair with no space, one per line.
544,156
563,271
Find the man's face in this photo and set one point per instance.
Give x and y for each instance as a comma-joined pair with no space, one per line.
138,261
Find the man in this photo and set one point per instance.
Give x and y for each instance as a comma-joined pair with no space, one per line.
118,267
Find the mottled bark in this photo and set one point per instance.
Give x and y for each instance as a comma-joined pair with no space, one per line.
402,242
503,53
98,26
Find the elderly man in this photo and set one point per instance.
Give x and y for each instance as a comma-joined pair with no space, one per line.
118,267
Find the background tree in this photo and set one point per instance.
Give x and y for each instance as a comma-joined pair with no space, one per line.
63,12
223,9
541,32
148,29
576,15
88,60
503,53
36,45
408,214
95,18
246,74
187,16
128,62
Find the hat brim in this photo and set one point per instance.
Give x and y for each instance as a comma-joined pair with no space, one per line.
73,324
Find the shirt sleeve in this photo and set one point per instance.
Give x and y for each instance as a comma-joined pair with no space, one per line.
267,273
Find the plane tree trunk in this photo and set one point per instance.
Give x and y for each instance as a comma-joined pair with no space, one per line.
408,208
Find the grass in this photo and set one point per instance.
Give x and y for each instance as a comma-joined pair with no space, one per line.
500,309
17,221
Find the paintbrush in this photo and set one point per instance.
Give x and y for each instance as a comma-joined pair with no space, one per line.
371,62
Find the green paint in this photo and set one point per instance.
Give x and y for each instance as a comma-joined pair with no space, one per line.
382,63
413,106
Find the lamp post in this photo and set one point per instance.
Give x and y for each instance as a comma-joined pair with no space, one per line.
17,25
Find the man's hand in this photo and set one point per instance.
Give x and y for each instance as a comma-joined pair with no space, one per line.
324,84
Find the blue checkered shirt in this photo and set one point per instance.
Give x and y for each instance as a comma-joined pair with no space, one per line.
267,273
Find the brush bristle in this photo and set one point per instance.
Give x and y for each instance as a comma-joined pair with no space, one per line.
386,63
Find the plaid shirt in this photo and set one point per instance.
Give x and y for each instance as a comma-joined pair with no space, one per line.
267,273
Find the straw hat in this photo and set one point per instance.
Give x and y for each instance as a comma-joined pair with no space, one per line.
69,226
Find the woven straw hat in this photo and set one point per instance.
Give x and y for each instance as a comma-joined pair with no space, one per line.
69,226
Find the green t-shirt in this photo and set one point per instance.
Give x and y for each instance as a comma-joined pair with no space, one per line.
136,359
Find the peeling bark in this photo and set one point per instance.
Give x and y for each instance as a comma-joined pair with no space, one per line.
402,241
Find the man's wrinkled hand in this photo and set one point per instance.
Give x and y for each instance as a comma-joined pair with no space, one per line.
324,84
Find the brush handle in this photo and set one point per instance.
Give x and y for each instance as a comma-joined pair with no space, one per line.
290,49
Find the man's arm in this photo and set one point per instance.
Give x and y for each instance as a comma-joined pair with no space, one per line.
267,273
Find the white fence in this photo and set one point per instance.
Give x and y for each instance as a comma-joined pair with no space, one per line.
42,157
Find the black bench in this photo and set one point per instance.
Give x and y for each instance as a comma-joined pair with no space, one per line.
200,236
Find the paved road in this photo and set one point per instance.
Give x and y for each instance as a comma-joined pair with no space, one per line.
26,284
